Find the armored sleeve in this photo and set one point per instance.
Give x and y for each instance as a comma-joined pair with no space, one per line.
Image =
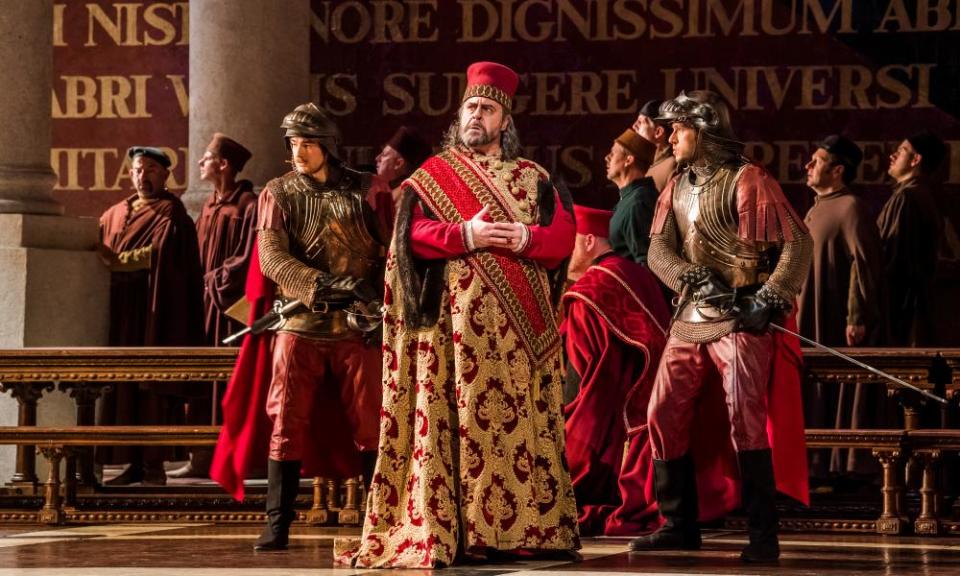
664,258
788,276
276,263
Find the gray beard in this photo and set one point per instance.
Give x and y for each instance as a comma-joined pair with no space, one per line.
472,139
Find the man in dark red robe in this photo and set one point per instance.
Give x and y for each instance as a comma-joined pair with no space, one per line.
225,231
150,243
614,330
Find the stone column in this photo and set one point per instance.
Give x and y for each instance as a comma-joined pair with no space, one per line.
53,288
26,58
249,66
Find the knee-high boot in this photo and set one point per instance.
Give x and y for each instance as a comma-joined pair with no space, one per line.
759,496
675,485
283,484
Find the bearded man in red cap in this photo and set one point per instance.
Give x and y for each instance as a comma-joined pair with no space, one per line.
471,435
615,329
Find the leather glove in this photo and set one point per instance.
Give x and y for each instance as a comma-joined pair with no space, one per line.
364,291
330,287
708,288
755,314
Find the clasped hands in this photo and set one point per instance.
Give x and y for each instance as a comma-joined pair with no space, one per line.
487,234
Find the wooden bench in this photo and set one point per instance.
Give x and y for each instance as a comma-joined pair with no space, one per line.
927,448
891,448
56,444
85,372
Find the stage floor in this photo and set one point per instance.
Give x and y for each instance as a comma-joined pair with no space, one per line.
208,550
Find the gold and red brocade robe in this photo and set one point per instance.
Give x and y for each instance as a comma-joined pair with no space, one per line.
471,431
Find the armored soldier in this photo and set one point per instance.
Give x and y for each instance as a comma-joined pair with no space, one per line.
726,239
320,242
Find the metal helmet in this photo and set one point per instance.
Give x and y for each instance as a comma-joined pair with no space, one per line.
702,109
708,113
308,121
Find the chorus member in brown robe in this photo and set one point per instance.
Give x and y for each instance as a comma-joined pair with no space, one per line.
614,332
841,300
225,231
663,164
150,244
910,230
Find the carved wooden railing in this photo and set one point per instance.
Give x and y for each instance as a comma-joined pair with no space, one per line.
929,429
86,373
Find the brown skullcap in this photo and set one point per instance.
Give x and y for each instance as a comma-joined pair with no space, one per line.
411,146
230,150
638,146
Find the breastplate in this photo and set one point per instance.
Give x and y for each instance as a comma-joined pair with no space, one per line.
708,221
332,228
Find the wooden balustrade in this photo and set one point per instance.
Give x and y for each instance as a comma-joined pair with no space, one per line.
929,430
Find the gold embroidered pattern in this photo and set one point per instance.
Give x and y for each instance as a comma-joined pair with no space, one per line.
538,346
491,92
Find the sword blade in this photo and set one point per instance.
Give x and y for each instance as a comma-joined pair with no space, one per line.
856,362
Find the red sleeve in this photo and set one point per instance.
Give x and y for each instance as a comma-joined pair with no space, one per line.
549,245
431,240
269,215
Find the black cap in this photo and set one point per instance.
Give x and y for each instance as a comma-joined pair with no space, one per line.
930,148
150,152
651,109
844,150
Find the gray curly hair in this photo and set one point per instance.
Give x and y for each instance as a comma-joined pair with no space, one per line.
509,139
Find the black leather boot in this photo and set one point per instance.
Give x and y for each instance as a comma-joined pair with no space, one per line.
759,496
675,484
283,484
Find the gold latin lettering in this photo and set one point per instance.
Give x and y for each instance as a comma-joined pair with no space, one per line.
626,16
471,18
392,87
814,9
152,18
896,13
180,91
71,170
811,86
667,17
124,13
520,22
58,40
